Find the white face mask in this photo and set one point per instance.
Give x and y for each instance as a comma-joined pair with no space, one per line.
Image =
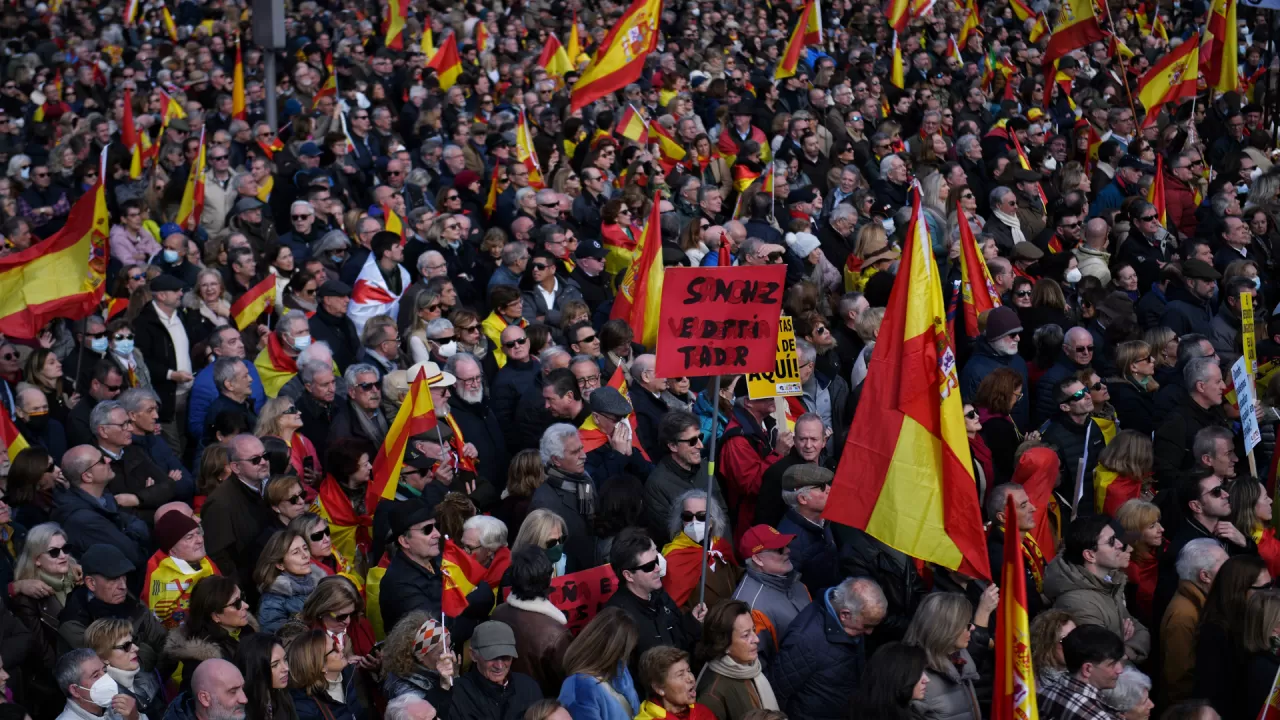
103,690
1073,275
696,530
662,566
888,226
449,349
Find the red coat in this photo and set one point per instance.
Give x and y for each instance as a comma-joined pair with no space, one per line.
1180,204
743,459
1142,574
1269,550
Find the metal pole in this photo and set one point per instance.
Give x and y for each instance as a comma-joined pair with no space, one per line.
711,479
269,85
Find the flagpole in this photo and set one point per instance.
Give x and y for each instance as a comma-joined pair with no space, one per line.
711,478
1124,67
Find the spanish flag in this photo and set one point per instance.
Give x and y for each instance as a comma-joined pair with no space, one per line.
172,108
352,532
808,31
1021,9
575,45
392,222
907,475
632,126
275,366
13,441
428,41
554,59
621,55
971,21
491,202
447,62
1038,30
640,293
1155,195
462,573
743,176
591,434
1026,165
237,87
115,306
193,195
1173,77
129,136
397,11
670,152
1159,29
1077,26
416,415
131,12
481,37
978,291
1220,56
525,154
169,27
254,302
271,148
62,276
898,14
896,76
1015,686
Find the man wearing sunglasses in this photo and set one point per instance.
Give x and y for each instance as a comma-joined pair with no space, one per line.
1087,580
1077,437
1078,353
413,580
234,514
1152,247
105,594
639,566
88,511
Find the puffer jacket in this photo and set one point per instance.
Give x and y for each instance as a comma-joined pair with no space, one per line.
780,598
819,666
950,695
1093,601
285,597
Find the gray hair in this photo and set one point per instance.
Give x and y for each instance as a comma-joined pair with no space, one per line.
966,143
1130,689
1219,204
886,163
101,414
856,594
1198,555
305,205
998,194
806,351
547,196
552,443
1197,371
318,351
718,521
241,179
997,499
438,326
307,370
451,365
356,371
425,258
1206,440
844,211
131,400
290,319
224,369
514,252
642,364
68,669
551,353
399,707
522,192
493,532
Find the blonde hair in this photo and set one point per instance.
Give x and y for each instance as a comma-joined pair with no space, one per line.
269,418
602,645
37,544
1135,516
1261,618
536,529
103,635
1130,352
1130,454
937,623
307,653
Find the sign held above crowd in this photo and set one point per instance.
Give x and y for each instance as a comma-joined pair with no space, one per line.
719,320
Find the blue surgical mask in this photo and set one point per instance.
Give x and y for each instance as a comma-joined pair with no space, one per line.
338,258
171,256
124,347
99,345
302,343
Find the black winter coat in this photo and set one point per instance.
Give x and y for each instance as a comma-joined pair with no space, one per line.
475,697
408,586
659,622
1135,407
340,333
480,427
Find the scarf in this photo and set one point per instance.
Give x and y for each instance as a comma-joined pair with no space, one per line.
61,584
1034,559
265,187
580,485
123,677
1014,224
374,427
734,670
291,585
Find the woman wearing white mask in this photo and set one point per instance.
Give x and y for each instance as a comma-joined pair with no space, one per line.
690,521
127,357
112,640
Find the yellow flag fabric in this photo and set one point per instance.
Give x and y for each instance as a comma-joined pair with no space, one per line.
167,589
621,56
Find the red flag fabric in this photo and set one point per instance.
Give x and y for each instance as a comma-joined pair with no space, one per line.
1015,686
978,291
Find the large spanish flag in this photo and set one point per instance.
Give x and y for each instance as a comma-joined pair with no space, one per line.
1155,195
1220,55
1015,686
62,276
640,294
1172,78
13,441
971,21
417,414
192,205
978,291
447,62
907,476
526,155
621,55
808,31
898,14
275,366
256,300
237,87
481,37
1077,26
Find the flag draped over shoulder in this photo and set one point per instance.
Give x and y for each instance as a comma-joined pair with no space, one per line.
1077,26
62,276
1172,78
417,414
591,434
1015,687
371,296
621,55
640,293
906,477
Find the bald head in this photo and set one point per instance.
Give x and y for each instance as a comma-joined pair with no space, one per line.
176,506
218,688
77,461
1095,233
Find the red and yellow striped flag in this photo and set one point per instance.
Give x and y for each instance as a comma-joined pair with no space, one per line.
392,222
131,9
491,202
977,291
255,301
428,43
898,14
808,31
417,415
1026,165
1021,9
192,205
13,441
670,153
393,26
591,434
1015,686
640,293
1077,27
553,58
632,126
237,87
1155,194
129,136
115,306
1220,55
481,37
897,77
329,89
1172,78
170,28
907,474
971,21
462,573
63,275
170,108
447,62
575,45
525,154
621,55
743,176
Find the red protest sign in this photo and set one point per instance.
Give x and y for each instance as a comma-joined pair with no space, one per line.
718,320
580,595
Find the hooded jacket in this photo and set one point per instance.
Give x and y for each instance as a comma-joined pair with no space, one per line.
1091,600
985,359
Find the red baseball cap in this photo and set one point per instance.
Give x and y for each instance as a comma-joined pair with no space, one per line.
760,538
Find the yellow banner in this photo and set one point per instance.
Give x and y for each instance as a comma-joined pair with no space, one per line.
1248,336
785,378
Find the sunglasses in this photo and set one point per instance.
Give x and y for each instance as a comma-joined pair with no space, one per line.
367,386
255,459
508,345
1083,348
1022,293
291,410
125,646
540,266
342,617
553,543
55,552
1078,395
647,567
589,338
301,217
297,499
319,535
694,441
687,516
1098,386
1149,218
1218,492
237,603
972,415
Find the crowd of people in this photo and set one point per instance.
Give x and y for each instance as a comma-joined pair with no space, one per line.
187,531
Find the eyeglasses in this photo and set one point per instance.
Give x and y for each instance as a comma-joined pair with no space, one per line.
217,158
291,410
694,441
297,499
588,339
1218,491
1022,293
237,604
125,646
305,216
469,328
255,459
367,386
443,340
972,414
1083,348
1149,218
342,617
319,535
553,542
512,343
687,516
541,266
1114,541
1098,386
1077,396
55,552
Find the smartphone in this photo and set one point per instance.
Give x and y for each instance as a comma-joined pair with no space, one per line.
308,464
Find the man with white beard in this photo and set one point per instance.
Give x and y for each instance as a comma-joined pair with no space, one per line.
998,348
461,402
